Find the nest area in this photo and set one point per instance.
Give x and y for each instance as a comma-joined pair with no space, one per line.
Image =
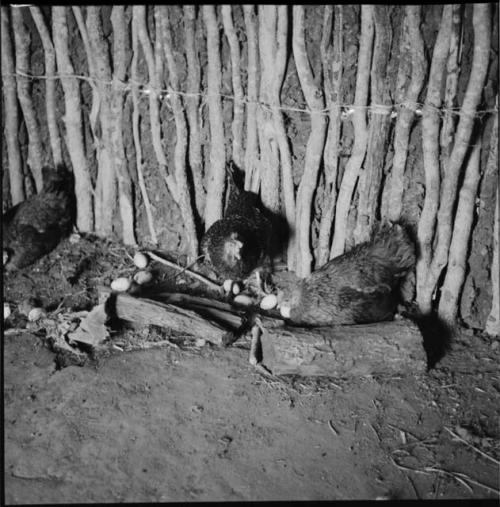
163,116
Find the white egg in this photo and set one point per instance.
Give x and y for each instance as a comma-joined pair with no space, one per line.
227,285
36,314
141,260
243,300
121,284
269,302
285,311
236,288
142,277
6,311
200,342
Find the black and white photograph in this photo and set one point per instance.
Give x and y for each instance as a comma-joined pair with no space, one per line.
250,253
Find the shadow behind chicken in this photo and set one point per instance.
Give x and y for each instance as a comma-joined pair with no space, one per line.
35,226
240,241
360,286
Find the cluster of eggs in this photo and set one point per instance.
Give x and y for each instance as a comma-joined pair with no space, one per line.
267,302
123,284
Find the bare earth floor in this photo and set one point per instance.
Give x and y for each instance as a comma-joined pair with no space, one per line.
200,424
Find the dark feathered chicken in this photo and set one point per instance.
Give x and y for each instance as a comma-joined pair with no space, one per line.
35,226
357,287
239,242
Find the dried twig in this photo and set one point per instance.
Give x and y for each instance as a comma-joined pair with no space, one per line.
199,277
151,345
462,478
454,435
264,371
254,344
374,431
334,431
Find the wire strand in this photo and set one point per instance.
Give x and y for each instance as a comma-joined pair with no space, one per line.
347,109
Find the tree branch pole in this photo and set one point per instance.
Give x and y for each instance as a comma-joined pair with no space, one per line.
125,192
353,166
457,258
332,62
11,113
371,177
406,114
315,144
154,87
180,154
269,151
73,121
238,104
482,39
430,149
134,74
251,141
36,157
452,73
50,84
287,186
217,173
493,321
192,102
106,184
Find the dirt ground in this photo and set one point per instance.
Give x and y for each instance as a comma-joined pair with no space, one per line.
183,422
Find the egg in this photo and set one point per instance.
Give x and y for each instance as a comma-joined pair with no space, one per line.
36,314
200,342
269,302
243,300
6,311
121,284
141,260
236,288
227,285
142,277
285,311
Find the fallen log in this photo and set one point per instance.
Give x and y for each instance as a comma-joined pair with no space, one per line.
232,313
394,347
147,312
218,322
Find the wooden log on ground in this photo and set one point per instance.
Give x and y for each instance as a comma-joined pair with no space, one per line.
233,319
394,347
148,312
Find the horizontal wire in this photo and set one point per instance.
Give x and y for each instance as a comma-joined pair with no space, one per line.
348,109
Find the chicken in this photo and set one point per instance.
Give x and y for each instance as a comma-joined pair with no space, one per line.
360,286
238,243
35,226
